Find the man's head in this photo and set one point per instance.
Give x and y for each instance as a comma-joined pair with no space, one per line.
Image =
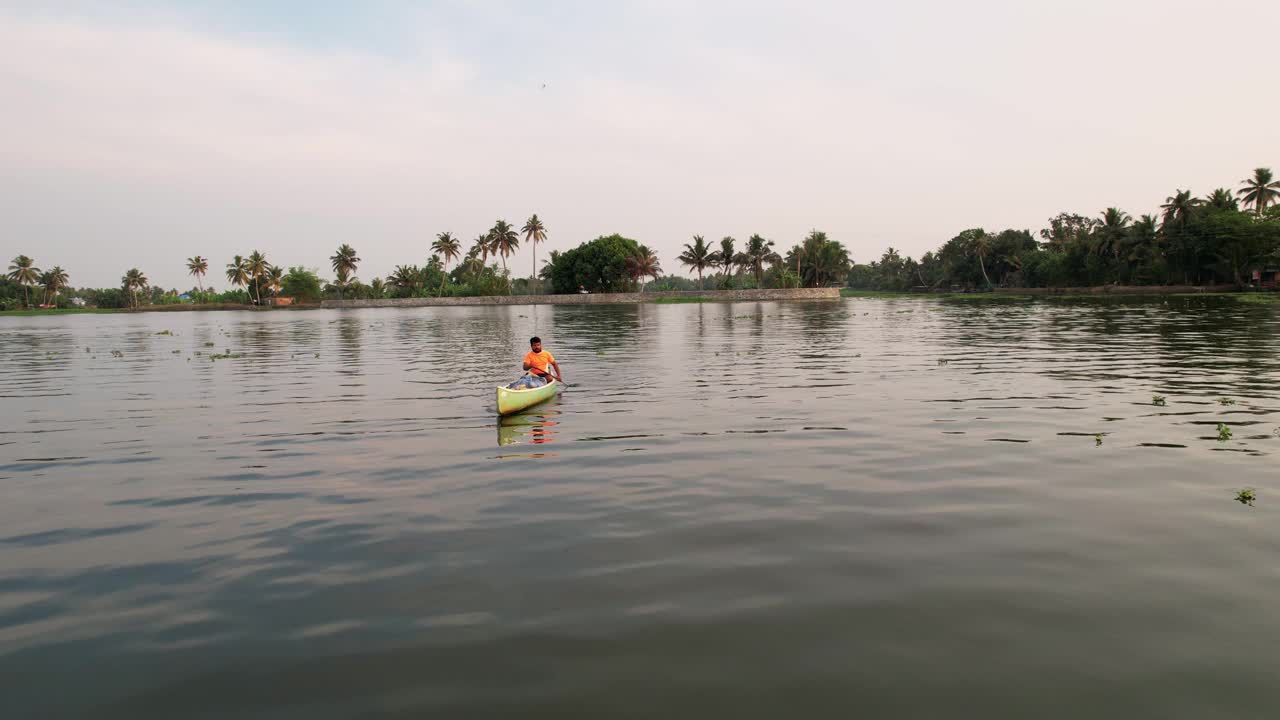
535,344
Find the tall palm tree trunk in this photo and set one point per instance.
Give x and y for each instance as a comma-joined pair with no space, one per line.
983,267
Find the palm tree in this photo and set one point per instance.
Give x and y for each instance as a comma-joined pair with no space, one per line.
475,260
344,265
503,240
549,266
826,259
53,281
448,248
759,251
238,271
980,247
1180,209
406,277
644,263
534,233
698,256
1260,190
725,256
134,281
480,248
258,267
1113,232
1222,199
275,279
24,272
378,288
198,266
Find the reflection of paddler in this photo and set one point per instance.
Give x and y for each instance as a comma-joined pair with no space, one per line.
514,429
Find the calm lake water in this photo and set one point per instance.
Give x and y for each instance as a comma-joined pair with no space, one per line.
870,508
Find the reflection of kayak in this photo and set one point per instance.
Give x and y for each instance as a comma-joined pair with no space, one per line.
510,401
535,428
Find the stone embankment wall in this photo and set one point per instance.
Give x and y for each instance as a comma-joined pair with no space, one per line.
598,299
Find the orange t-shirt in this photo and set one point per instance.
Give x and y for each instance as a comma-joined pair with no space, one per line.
539,361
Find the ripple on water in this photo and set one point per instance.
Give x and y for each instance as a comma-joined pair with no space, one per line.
781,509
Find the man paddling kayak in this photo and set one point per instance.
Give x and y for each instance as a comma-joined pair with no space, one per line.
535,363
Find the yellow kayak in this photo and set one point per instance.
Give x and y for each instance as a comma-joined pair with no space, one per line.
510,401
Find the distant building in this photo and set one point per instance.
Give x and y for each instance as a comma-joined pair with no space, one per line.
185,297
78,302
1264,278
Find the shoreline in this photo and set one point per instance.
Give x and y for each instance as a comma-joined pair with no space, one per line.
707,296
659,298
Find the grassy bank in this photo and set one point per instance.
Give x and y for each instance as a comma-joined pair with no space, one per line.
154,308
1154,291
66,311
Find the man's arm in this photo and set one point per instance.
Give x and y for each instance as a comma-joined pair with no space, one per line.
556,365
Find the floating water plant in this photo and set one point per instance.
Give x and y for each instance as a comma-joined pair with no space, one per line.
1224,432
1246,496
1097,440
117,354
208,344
223,356
317,356
1157,400
1226,401
165,332
176,352
943,361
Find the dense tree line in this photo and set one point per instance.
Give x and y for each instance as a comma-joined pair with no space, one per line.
1218,238
1223,237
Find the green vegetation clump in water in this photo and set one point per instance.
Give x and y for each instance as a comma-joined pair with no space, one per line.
208,344
117,354
1097,440
165,332
1226,401
1157,400
1224,432
1246,496
224,356
1258,298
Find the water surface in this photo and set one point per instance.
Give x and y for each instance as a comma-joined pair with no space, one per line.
880,508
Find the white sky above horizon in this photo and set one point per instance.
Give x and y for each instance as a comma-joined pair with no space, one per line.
137,134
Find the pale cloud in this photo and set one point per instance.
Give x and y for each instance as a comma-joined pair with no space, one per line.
144,138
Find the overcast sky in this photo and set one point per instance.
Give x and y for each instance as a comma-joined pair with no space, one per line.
141,133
